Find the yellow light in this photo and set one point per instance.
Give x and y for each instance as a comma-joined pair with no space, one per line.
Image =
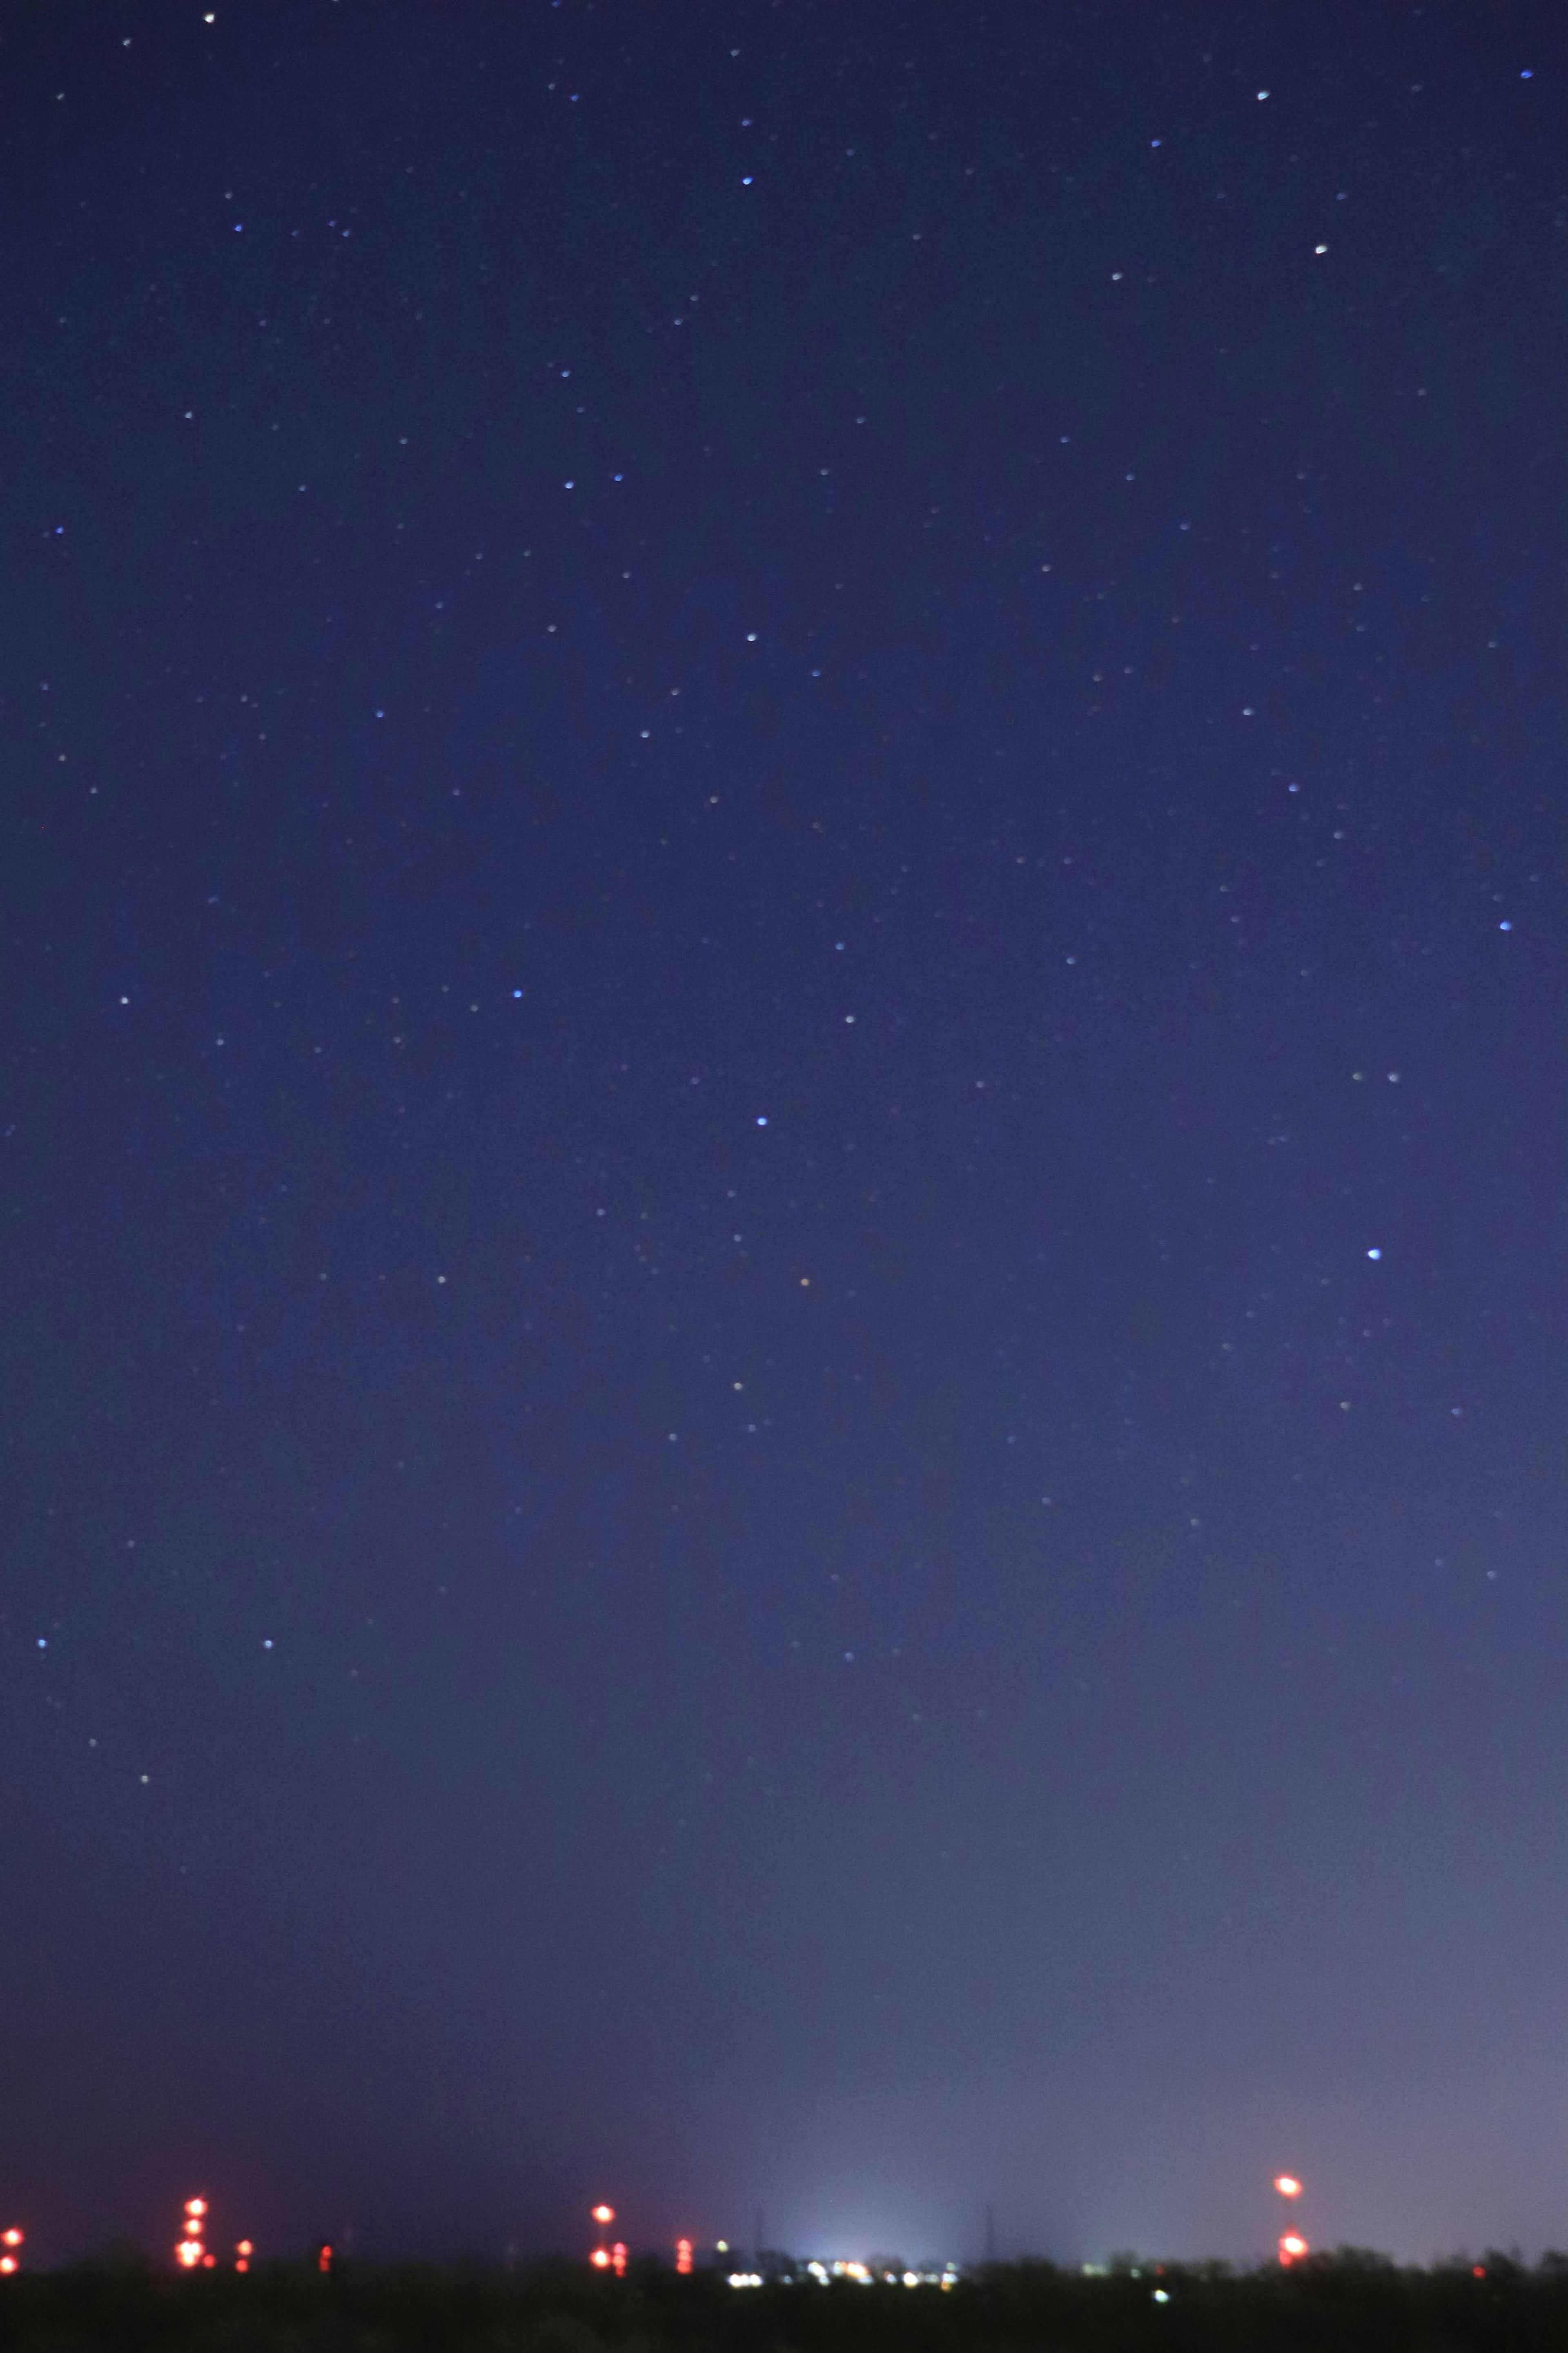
245,2248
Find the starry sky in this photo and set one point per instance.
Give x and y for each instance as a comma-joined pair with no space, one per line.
782,1156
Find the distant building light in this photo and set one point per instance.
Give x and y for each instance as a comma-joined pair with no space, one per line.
1291,2249
1286,2183
604,2213
745,2279
601,2259
325,2260
683,2255
618,2258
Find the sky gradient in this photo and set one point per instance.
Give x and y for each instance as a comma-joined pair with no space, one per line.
783,1358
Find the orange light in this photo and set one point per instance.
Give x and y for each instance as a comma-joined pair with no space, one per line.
187,2253
13,2237
619,2257
600,2259
604,2213
242,2263
245,2248
8,2263
1291,2248
1286,2185
196,2207
683,2254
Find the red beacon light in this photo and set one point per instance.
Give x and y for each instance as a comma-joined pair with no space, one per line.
10,2240
243,2252
1292,2249
324,2259
683,2255
601,2259
618,2258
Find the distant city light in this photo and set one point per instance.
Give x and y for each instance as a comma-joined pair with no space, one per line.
1286,2185
601,2259
683,2255
10,2240
325,2260
618,2258
1291,2249
604,2213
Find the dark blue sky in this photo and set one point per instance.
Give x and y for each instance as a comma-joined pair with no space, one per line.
783,1149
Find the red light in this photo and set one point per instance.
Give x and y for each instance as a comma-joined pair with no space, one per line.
242,2263
1286,2185
683,2254
1477,2271
325,2260
245,2248
600,2259
619,2257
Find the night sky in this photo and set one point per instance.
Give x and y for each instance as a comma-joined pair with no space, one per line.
784,979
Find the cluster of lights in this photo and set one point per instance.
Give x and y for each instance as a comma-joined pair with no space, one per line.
606,2259
191,2253
861,2273
1293,2246
10,2240
614,2258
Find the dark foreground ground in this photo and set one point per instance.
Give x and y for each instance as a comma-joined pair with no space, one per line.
1331,2304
